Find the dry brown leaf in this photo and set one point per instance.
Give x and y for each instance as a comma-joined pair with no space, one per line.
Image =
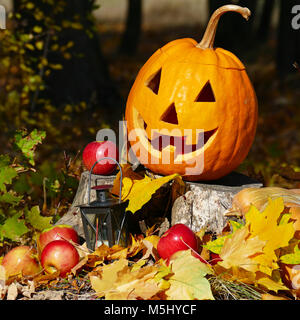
28,290
42,279
105,253
151,231
136,246
178,188
149,250
12,291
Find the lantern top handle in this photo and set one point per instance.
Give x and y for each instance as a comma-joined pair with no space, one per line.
91,171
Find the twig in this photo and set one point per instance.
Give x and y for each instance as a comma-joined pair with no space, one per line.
196,253
45,194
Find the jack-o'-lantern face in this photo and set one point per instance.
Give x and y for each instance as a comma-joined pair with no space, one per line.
191,111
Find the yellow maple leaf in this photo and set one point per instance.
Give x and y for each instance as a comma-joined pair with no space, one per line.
109,275
271,284
269,228
153,239
141,191
132,283
136,284
188,280
138,189
237,250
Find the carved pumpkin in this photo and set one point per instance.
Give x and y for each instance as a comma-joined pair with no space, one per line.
192,109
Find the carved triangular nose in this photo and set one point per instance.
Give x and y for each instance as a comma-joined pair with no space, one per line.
170,115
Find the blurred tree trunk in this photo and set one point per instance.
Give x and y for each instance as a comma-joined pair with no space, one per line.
288,48
85,75
131,35
265,20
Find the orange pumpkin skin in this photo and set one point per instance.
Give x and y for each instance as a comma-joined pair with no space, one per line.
231,118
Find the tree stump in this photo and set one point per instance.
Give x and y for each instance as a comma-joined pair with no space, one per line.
204,204
73,216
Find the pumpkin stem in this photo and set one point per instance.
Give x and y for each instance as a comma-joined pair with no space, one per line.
208,39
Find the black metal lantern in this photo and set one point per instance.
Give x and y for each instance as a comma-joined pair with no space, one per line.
104,220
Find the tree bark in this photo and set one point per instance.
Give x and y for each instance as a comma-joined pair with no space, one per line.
85,74
204,205
85,77
265,20
130,38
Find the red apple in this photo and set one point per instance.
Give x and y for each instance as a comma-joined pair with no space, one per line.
59,255
58,232
179,237
21,260
96,150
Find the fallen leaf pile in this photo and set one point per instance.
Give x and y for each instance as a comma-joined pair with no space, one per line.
250,251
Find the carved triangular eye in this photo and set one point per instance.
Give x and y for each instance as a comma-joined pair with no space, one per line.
154,81
170,115
206,94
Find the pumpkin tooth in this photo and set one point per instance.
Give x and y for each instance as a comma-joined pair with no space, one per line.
189,136
179,144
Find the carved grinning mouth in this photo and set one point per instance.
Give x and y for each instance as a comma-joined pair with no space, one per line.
160,141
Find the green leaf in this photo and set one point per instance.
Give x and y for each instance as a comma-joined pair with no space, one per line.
4,160
216,246
292,258
163,271
36,220
27,143
236,225
10,198
7,174
13,228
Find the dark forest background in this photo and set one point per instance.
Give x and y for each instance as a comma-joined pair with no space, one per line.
67,74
